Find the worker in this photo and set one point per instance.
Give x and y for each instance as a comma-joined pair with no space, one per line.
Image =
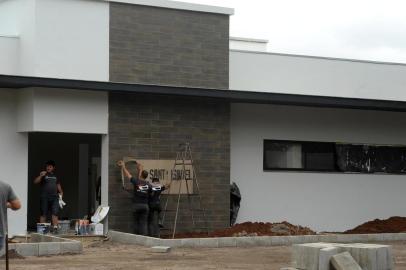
154,203
8,199
51,194
140,200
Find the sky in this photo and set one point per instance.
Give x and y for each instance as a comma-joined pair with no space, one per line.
358,29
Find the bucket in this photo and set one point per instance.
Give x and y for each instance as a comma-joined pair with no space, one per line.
64,226
43,228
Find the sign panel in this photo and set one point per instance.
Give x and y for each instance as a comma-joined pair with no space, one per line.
166,172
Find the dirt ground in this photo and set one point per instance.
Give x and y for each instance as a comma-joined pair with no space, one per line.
117,256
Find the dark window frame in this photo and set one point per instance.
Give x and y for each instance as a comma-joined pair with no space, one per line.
336,166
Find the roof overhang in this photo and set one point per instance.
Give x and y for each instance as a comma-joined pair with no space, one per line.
236,96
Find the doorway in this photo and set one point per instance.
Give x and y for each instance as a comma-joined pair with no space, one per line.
78,166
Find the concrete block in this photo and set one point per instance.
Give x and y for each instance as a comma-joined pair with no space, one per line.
152,241
263,241
344,261
71,247
190,242
172,242
160,249
230,241
208,242
49,248
325,255
27,249
279,241
306,256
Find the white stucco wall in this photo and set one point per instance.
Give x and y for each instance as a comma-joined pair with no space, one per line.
292,74
9,54
72,39
323,201
63,110
13,158
59,38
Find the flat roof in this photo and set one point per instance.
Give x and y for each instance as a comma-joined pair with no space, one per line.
178,5
320,57
236,96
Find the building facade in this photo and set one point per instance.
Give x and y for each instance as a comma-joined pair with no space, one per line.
89,82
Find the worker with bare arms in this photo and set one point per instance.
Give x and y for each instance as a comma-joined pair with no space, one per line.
140,199
8,199
51,194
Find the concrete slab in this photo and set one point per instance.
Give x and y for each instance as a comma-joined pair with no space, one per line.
208,242
344,261
71,247
160,249
27,249
230,241
325,256
50,248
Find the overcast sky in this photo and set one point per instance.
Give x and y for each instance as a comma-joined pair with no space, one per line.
358,29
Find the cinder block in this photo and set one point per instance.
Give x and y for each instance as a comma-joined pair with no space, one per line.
344,261
49,248
160,249
279,241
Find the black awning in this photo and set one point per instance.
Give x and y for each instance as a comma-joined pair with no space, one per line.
18,82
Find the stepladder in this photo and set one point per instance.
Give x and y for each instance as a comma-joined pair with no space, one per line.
185,196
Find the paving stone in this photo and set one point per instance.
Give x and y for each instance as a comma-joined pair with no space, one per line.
344,261
160,249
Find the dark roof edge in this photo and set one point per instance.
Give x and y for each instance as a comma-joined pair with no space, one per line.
10,81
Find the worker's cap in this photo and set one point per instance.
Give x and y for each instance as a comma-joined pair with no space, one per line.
50,162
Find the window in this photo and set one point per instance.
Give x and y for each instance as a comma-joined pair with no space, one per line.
333,157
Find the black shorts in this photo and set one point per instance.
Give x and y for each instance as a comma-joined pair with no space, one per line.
49,205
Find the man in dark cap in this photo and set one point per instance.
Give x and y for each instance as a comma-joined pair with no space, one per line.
51,193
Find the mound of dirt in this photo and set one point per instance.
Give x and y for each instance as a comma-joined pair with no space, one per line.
253,229
12,254
390,225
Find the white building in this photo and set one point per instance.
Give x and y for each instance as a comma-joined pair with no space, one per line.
70,71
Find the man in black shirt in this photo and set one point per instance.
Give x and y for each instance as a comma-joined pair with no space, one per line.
140,200
51,190
154,203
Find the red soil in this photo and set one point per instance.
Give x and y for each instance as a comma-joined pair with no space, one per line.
390,225
253,229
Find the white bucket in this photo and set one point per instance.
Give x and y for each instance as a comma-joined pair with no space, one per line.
43,228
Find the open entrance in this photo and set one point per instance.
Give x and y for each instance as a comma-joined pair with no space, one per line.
78,166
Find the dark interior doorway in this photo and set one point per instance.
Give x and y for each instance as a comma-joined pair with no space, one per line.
78,166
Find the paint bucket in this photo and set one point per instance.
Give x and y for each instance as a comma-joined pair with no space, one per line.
43,228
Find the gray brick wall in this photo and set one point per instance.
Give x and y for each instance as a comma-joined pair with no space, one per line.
168,47
151,127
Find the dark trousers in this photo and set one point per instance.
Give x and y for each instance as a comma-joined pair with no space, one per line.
141,211
153,220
